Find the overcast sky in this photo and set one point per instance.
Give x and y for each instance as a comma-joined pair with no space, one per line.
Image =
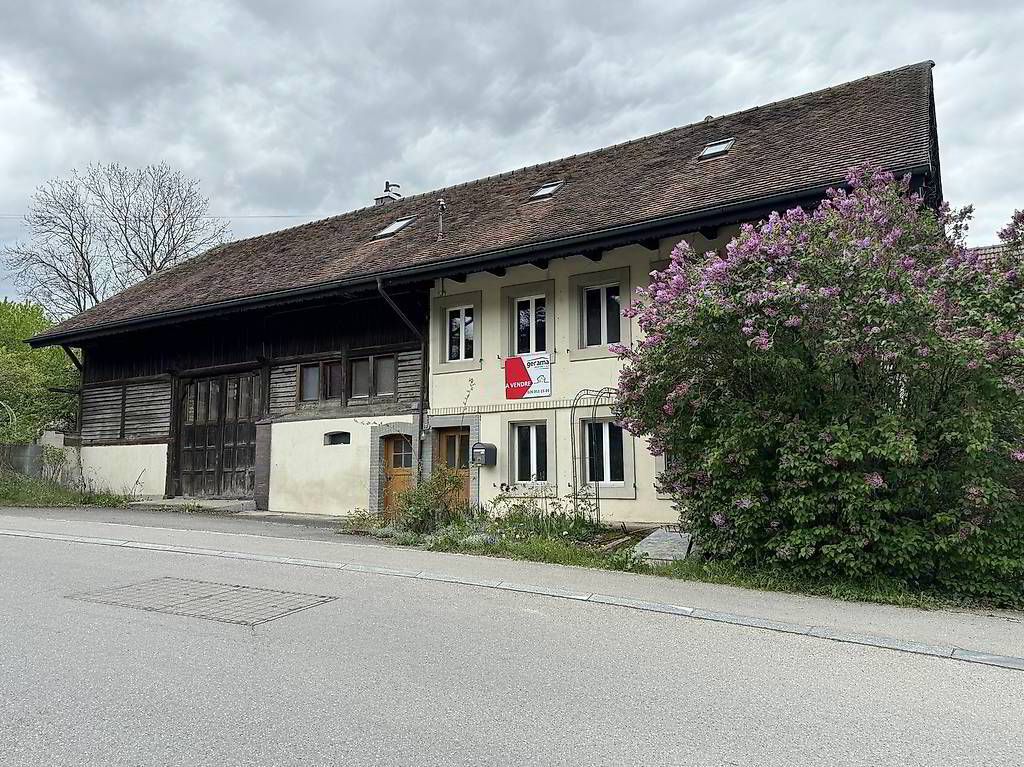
304,108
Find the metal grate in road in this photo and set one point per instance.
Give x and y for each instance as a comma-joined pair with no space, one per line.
224,602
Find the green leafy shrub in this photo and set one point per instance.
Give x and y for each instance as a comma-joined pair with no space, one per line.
841,394
433,503
524,512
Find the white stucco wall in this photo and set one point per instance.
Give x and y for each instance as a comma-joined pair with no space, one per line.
481,390
139,470
309,477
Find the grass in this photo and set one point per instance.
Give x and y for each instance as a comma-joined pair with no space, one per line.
553,551
20,490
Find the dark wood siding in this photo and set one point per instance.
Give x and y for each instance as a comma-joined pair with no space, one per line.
243,339
128,411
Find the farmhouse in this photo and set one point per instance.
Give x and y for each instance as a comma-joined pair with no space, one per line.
324,368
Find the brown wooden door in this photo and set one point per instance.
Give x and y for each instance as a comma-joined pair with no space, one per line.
217,438
398,469
453,448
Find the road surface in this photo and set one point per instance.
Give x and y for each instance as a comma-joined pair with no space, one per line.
397,671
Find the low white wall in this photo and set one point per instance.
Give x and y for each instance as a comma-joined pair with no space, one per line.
133,469
308,477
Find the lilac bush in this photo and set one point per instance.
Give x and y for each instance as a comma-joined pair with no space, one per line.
841,392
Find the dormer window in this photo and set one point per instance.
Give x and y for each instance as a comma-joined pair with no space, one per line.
394,227
716,149
546,190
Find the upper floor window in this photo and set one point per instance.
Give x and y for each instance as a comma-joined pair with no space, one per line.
530,324
601,315
309,382
459,328
372,376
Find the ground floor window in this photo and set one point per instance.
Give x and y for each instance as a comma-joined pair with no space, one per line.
604,453
530,443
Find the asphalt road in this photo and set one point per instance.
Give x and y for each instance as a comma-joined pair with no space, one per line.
405,672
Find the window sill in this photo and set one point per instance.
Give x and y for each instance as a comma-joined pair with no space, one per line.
461,366
613,492
591,353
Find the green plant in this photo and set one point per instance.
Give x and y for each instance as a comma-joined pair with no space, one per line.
434,502
840,394
523,512
20,490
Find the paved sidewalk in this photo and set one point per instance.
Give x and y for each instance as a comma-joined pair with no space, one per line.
904,628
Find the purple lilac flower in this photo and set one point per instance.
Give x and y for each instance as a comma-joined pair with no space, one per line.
874,480
719,520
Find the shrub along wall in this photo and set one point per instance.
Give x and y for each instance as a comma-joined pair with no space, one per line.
841,394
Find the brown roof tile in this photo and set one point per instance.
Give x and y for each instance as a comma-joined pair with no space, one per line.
781,148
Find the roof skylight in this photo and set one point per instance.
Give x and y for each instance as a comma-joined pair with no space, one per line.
716,148
547,190
394,228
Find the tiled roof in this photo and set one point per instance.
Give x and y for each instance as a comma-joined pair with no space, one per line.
783,148
988,251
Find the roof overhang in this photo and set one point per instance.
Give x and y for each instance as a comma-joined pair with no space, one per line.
602,239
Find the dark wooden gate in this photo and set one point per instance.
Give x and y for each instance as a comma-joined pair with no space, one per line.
218,435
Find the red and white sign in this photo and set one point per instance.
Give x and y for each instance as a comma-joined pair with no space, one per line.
528,376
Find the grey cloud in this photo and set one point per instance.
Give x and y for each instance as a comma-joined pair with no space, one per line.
307,107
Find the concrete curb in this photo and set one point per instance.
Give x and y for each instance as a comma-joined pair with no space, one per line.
696,613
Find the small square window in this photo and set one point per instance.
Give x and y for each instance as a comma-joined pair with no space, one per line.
716,148
394,228
338,438
547,190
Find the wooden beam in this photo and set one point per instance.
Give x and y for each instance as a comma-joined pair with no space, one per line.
709,232
651,243
458,278
74,359
498,271
593,255
541,263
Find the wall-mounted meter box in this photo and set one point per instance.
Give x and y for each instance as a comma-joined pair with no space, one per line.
484,454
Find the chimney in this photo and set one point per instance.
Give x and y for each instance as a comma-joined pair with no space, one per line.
390,193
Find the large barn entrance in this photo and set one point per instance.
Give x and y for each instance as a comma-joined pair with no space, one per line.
217,442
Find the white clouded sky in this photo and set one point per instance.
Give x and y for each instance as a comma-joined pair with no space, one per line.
305,108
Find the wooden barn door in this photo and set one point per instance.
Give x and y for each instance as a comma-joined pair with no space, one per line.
218,435
398,469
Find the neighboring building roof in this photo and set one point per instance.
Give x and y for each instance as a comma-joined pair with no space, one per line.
988,251
781,150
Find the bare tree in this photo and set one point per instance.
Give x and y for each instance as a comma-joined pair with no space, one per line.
149,218
97,233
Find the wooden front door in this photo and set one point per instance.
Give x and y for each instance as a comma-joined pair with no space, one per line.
453,449
398,469
217,440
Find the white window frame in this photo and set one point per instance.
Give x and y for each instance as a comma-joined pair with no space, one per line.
462,332
604,315
532,426
439,306
514,308
606,458
578,285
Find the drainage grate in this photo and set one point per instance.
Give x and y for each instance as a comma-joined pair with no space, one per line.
225,602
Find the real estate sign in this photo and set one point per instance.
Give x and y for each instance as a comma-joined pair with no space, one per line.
528,376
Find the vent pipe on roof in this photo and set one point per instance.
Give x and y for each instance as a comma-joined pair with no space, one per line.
391,193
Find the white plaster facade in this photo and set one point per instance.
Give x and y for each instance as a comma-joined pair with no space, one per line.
310,477
477,386
139,470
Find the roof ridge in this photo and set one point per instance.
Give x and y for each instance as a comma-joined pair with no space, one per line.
608,148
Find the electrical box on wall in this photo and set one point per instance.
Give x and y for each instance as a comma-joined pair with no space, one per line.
484,454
